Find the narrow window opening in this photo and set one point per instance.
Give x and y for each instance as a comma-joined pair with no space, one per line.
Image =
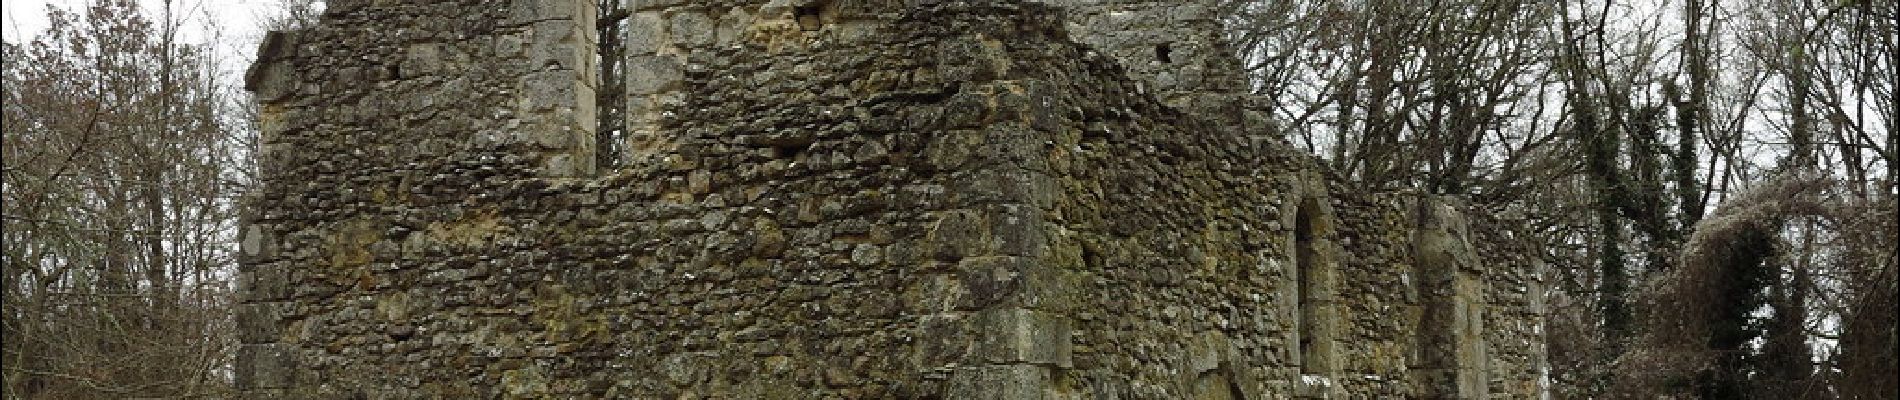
1164,53
1308,274
610,55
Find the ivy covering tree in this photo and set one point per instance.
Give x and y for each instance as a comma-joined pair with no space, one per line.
1615,126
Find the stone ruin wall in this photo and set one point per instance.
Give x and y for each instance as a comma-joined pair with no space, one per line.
842,199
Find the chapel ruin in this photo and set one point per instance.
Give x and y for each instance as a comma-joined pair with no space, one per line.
853,199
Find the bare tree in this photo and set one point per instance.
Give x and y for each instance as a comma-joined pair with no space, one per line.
117,209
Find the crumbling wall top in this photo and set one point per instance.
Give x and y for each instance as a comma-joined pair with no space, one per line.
395,83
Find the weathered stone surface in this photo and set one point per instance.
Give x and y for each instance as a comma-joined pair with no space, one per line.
265,366
653,74
1002,382
1023,336
257,322
836,199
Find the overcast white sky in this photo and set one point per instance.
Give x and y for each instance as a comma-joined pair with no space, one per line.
21,20
27,17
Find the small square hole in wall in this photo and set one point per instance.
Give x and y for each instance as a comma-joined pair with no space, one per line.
1164,53
790,150
809,16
